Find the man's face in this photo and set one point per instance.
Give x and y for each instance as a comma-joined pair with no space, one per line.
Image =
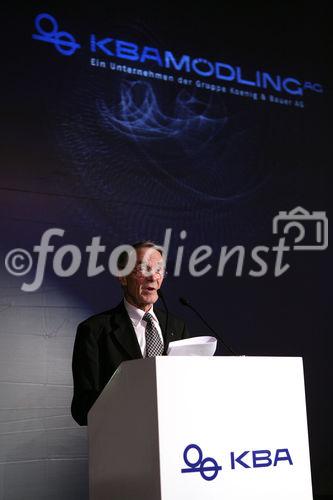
140,287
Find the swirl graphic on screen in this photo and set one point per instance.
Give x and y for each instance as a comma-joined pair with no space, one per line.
139,116
163,150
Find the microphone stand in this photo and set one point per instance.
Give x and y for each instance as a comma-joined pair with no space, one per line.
186,303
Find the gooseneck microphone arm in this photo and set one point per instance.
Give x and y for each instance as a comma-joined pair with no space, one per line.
165,333
186,303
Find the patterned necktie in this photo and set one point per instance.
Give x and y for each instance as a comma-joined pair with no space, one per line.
154,345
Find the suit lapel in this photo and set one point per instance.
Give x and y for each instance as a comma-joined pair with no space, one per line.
167,335
123,330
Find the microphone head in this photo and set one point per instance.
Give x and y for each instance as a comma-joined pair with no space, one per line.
184,301
159,293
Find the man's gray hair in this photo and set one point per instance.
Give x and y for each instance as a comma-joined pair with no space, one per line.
124,256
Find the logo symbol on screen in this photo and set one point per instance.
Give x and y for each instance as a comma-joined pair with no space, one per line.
48,31
207,467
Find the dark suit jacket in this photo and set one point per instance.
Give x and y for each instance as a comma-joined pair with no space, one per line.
102,342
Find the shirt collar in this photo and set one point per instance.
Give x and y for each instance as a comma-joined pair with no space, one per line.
137,314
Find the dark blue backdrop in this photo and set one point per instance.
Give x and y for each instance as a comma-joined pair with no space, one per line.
103,152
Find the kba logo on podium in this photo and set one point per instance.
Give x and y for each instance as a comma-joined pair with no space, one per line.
208,467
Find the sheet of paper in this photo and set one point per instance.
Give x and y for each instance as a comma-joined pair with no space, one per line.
195,346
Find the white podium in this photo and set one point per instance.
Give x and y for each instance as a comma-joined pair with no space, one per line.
201,428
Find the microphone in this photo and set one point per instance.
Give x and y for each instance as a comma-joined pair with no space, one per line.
166,344
186,303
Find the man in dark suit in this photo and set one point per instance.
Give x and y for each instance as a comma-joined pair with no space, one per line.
134,329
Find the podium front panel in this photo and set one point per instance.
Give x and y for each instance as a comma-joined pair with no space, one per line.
232,428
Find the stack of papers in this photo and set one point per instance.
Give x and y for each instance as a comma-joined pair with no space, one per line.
195,346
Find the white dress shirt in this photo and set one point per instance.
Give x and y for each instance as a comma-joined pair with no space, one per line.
139,324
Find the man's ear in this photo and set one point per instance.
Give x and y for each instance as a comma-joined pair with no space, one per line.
122,280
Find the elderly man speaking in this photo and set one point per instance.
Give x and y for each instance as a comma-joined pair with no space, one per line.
133,329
